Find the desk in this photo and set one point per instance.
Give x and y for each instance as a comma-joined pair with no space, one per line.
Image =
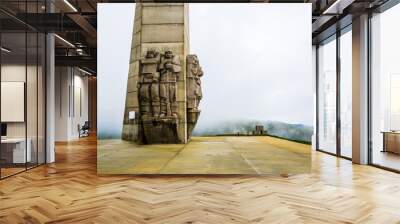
391,142
13,150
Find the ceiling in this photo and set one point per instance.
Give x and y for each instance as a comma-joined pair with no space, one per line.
75,22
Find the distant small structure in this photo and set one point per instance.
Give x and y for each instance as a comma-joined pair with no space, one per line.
259,130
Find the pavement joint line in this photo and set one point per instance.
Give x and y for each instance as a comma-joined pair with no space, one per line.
244,159
176,154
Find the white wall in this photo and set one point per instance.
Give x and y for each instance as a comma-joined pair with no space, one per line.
79,117
17,73
70,83
61,103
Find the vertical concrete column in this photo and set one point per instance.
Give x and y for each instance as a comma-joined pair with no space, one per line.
50,98
315,89
158,26
360,90
50,91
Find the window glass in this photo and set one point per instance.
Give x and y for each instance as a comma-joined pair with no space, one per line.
32,95
14,153
346,94
385,89
327,96
22,90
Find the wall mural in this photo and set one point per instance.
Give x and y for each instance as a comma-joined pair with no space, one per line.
165,113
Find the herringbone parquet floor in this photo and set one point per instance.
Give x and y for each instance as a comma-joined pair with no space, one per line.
69,191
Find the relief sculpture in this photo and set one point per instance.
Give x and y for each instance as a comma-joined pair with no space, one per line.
157,87
169,73
149,97
159,116
193,91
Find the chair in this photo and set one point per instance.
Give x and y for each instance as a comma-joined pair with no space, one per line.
84,130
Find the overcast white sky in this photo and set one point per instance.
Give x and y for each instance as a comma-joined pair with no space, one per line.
256,59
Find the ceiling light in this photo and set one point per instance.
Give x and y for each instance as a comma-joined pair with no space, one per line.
5,50
79,51
64,40
337,7
70,5
84,71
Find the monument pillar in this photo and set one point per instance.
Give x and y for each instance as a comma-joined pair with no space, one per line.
160,27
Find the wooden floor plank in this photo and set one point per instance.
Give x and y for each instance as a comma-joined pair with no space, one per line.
70,191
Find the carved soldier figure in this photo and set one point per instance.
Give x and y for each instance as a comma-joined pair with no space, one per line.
194,73
170,67
148,84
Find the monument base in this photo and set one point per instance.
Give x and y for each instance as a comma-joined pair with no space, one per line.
130,132
160,130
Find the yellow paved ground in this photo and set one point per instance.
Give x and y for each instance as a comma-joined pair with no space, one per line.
205,155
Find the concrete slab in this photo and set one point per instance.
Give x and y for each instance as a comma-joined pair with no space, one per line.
163,15
162,33
205,155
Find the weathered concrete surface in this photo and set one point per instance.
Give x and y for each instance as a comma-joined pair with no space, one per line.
161,27
205,155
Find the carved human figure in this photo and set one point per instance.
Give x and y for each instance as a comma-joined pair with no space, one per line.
170,68
194,73
149,96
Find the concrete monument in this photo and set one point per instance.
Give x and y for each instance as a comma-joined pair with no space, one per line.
163,88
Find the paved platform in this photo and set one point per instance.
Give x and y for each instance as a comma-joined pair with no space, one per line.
205,155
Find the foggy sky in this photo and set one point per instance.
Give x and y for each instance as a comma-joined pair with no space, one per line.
114,36
256,60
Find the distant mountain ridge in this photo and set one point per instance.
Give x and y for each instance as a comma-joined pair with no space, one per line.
298,132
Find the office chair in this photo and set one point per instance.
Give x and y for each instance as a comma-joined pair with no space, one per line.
84,130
